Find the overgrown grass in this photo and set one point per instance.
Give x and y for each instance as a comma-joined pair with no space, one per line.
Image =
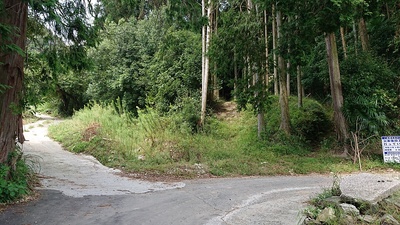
163,145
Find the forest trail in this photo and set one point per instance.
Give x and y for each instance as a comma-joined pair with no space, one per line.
226,110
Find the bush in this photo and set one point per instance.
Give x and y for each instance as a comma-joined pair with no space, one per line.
370,91
186,113
14,183
310,122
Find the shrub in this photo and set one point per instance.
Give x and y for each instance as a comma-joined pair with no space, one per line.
14,183
186,113
310,122
370,92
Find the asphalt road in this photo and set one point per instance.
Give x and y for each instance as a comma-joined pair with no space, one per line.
78,190
270,200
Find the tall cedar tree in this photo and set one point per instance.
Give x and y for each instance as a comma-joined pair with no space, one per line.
71,25
13,21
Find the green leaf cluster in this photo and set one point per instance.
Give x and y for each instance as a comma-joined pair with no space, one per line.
14,181
145,63
312,122
369,89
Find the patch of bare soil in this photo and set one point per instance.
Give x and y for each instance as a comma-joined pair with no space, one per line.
155,176
226,110
91,132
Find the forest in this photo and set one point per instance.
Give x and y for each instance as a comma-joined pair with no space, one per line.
145,81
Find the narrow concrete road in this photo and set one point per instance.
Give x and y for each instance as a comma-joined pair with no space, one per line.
78,190
77,175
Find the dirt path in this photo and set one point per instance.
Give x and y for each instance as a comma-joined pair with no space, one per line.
226,111
77,175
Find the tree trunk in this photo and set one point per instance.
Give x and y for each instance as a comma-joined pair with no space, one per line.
257,79
215,77
283,96
342,35
288,75
362,29
387,10
274,46
299,88
266,80
355,38
141,10
336,90
215,95
11,77
203,45
206,32
288,70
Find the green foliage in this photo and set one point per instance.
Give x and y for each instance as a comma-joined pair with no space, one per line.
146,63
3,88
58,34
14,183
310,122
69,20
115,10
117,69
383,39
10,190
178,79
316,74
54,71
6,34
186,114
238,48
185,14
370,92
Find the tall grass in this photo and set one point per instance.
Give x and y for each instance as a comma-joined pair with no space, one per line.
167,144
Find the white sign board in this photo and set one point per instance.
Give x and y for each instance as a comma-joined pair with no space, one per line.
391,148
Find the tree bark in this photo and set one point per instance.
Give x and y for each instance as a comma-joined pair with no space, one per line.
206,32
299,88
336,90
283,95
362,29
11,77
288,70
257,79
274,46
288,75
387,10
355,38
236,72
266,80
215,77
342,35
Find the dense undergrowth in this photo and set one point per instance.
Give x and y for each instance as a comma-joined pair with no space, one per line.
168,145
15,182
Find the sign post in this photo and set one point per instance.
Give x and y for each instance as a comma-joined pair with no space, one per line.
391,149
